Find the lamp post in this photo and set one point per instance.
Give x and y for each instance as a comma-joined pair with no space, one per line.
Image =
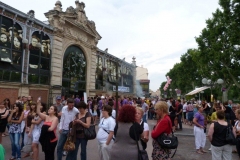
209,82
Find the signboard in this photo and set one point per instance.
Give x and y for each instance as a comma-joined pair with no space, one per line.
121,89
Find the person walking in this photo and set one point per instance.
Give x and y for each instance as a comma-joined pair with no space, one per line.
4,112
69,113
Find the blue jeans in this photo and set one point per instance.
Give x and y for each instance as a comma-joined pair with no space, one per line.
72,155
15,144
61,141
145,118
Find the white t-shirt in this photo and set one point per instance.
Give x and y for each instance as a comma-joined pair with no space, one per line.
185,107
67,117
144,107
145,127
108,124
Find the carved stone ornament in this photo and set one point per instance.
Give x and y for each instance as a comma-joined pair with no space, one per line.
58,6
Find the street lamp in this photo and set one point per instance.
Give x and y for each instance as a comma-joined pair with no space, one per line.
209,82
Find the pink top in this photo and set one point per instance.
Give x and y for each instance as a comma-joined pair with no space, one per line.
49,124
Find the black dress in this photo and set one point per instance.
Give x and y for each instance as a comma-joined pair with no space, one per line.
3,122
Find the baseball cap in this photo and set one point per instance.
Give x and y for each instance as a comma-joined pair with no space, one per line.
58,97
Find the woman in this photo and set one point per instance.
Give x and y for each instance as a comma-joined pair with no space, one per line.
14,120
163,125
4,112
200,136
48,137
237,128
105,132
94,111
125,142
25,113
35,131
145,134
30,116
217,136
83,120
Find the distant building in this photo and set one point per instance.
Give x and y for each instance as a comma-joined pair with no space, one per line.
142,80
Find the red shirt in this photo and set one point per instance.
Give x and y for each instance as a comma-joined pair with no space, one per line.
163,126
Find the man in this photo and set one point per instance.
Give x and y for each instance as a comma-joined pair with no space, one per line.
76,100
69,113
59,106
230,103
179,114
145,109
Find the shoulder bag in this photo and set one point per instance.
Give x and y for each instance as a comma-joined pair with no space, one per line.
90,133
230,138
168,142
142,154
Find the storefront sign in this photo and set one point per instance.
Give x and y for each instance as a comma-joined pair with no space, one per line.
121,89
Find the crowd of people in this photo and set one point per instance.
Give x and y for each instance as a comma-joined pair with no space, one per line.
121,124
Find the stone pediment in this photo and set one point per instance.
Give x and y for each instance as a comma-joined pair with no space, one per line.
75,17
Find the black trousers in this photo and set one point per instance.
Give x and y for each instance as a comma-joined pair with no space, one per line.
49,154
238,145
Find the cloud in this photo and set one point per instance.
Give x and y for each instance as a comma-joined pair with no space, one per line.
156,32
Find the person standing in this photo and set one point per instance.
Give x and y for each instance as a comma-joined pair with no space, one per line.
179,114
163,126
4,112
48,137
200,137
145,109
14,120
69,113
221,150
59,106
105,132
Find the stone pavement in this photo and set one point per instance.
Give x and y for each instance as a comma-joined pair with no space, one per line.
186,149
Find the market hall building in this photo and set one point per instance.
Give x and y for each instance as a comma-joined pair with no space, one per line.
57,57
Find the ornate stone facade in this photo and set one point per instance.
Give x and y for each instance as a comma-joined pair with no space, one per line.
64,29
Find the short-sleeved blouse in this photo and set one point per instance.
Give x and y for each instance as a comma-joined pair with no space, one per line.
79,127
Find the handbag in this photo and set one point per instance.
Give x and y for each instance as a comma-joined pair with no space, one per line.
168,142
142,154
69,145
230,138
90,133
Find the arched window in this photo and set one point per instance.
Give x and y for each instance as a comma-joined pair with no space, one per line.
10,50
74,71
40,57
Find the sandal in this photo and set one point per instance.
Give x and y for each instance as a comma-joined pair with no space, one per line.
26,155
203,151
199,152
12,158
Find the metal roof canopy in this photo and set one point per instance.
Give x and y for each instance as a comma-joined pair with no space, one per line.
197,90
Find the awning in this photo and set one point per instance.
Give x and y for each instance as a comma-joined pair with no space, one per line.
197,90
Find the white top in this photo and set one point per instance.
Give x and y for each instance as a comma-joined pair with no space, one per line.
185,107
145,126
114,113
237,126
67,117
144,107
108,124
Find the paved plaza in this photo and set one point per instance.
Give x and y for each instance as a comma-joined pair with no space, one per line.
185,151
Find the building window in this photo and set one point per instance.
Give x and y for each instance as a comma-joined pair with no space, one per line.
40,58
99,73
74,71
10,50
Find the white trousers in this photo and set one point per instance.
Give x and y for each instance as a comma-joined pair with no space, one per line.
200,137
222,153
104,150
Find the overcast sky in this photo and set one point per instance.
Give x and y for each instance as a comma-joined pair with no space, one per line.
156,32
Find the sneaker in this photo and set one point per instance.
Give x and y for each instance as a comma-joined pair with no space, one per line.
64,153
210,149
18,159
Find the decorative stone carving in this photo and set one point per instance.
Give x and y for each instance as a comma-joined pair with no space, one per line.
58,6
31,14
70,10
